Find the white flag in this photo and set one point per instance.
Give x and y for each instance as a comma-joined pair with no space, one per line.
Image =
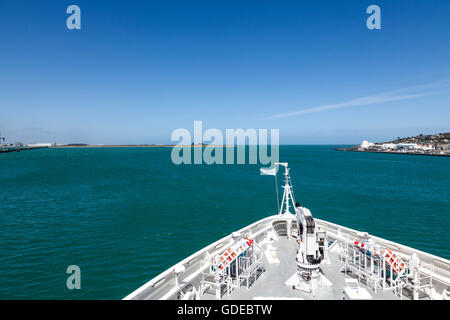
268,171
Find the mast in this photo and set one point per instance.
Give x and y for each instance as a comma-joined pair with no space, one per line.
288,195
2,138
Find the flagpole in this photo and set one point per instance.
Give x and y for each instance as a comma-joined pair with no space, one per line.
278,198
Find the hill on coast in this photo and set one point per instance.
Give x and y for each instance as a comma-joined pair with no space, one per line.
438,138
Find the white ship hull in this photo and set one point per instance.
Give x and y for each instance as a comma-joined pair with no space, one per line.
186,279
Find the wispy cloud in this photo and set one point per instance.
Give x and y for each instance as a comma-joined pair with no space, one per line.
397,95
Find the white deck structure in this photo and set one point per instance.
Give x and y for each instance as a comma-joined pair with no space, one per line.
259,262
270,284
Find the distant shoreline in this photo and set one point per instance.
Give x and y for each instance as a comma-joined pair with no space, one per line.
353,149
135,146
115,146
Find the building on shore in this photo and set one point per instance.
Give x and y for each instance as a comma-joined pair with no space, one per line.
389,146
366,144
41,145
404,147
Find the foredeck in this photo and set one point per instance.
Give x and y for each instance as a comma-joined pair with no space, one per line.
434,282
271,283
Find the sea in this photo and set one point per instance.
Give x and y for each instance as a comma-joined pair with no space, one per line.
124,215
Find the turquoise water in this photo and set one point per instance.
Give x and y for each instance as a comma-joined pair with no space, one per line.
126,214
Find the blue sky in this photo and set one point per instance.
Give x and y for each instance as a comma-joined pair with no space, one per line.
137,70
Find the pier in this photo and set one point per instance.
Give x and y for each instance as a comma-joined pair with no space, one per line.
5,149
